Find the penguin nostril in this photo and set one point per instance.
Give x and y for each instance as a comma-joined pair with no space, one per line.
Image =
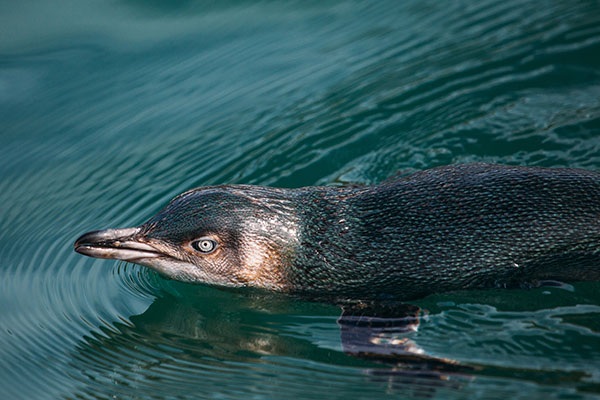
107,236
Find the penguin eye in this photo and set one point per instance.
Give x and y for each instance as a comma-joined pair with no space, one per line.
204,245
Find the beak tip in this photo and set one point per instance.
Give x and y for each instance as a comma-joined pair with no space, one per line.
81,249
119,244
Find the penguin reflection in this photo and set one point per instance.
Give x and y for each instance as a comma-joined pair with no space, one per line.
244,329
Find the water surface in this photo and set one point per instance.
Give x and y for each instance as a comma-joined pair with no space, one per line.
109,109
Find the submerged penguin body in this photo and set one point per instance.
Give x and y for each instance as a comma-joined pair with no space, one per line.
448,228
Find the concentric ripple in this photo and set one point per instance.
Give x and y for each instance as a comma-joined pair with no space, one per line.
108,110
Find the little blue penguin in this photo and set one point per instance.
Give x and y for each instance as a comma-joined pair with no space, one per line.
449,228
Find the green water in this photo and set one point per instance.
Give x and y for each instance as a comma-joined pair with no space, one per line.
110,108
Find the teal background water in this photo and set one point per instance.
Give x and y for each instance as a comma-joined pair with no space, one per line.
109,109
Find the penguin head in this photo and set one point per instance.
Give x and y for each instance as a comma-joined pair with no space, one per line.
222,235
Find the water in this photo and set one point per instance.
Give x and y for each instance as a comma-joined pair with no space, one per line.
109,109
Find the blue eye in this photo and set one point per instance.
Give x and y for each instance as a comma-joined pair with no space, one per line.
204,245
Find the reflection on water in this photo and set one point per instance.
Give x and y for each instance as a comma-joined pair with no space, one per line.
108,110
182,338
185,336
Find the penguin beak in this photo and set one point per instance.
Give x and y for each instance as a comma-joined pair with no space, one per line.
120,244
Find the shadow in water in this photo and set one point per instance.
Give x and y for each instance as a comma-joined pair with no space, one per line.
217,337
185,338
267,343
